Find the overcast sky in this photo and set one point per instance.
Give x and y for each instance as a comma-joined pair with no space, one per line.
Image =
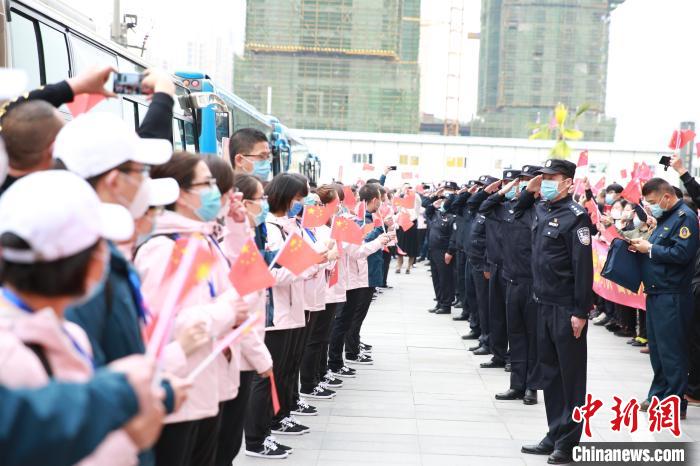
652,65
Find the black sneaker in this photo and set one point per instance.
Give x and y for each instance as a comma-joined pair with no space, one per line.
345,372
366,346
319,392
331,381
284,448
296,423
362,359
287,427
304,409
269,449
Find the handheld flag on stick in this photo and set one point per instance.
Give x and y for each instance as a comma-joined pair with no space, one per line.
368,167
582,159
344,229
250,273
681,138
296,255
82,103
315,216
593,211
273,395
632,192
349,200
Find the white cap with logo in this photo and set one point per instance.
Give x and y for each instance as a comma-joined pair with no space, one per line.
59,215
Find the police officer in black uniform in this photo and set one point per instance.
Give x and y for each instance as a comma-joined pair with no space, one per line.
441,256
667,273
470,310
521,309
476,257
493,209
562,271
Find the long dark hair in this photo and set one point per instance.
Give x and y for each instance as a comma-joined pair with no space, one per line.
181,167
283,189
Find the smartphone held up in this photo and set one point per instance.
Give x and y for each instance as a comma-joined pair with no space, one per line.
128,83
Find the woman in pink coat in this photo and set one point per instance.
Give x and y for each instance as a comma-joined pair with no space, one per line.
191,434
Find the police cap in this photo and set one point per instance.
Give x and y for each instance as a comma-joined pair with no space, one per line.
451,185
510,174
530,171
487,180
555,166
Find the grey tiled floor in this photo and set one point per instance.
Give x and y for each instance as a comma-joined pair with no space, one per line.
425,401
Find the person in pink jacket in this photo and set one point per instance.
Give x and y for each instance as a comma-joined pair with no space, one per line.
52,231
191,434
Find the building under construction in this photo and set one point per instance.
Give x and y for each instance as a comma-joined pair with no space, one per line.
333,64
534,54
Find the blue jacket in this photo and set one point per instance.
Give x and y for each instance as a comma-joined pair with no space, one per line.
375,261
61,423
670,266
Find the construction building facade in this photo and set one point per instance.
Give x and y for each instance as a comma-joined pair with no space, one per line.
536,53
348,65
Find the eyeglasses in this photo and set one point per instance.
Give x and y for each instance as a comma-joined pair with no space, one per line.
211,182
145,171
263,156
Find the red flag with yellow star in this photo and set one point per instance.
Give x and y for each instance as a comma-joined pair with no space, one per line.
297,255
344,229
349,200
201,266
250,272
315,216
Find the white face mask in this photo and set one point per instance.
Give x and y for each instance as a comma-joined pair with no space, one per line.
139,206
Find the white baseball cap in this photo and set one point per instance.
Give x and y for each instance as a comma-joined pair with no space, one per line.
162,191
59,215
14,82
96,142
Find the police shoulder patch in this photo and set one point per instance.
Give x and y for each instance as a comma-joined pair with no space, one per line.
684,233
454,226
576,209
584,236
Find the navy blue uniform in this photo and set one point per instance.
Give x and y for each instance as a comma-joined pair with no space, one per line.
562,270
667,274
476,258
440,232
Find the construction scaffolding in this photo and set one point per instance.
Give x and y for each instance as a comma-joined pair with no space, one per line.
334,64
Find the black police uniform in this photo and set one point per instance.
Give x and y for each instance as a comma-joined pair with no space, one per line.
457,205
441,227
521,309
562,271
667,274
476,258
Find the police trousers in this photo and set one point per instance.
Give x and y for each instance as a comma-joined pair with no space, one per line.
481,291
498,327
522,334
443,277
562,362
669,318
460,260
469,304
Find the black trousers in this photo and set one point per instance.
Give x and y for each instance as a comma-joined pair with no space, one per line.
296,345
319,326
189,443
444,275
341,325
562,359
469,307
352,337
434,276
233,416
386,255
627,316
422,243
694,353
522,335
258,424
498,326
332,309
481,291
460,280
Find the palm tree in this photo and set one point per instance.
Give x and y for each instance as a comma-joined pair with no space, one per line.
557,129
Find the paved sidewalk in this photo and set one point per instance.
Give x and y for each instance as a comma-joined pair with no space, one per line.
425,401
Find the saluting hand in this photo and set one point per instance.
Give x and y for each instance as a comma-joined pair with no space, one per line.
493,187
577,325
508,187
534,184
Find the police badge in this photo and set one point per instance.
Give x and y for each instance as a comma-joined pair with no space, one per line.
584,236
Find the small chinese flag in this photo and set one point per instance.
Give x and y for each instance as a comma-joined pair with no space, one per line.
611,233
344,229
361,210
681,138
201,267
366,228
579,187
407,202
632,192
598,186
274,395
406,175
368,167
582,159
623,173
376,221
593,211
404,221
333,205
385,210
315,216
644,173
333,277
349,200
250,272
82,103
297,255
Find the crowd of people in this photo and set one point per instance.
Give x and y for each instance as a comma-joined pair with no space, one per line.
93,219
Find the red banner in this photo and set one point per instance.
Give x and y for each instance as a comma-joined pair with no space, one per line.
610,290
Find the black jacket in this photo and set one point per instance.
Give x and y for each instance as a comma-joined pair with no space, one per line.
442,225
476,235
493,209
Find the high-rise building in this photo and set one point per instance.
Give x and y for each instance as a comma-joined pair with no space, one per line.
333,64
537,53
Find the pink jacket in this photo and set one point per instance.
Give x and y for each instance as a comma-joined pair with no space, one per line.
357,276
21,368
288,293
254,354
219,382
315,286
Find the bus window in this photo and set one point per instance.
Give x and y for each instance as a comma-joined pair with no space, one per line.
142,112
178,134
129,113
56,65
190,137
25,51
222,127
86,56
128,66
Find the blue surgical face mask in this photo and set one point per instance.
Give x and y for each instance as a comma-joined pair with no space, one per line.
609,199
262,169
510,194
309,200
295,209
549,189
656,210
210,204
264,210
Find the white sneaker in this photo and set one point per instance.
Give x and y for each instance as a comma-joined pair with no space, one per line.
600,318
